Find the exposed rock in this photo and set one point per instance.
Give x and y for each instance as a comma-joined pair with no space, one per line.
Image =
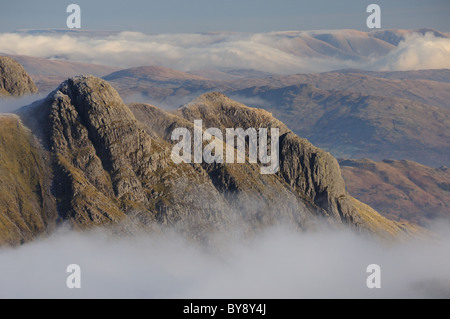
111,165
311,172
103,152
14,80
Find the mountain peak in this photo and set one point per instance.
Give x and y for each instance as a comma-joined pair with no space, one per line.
210,98
14,80
92,88
109,166
218,110
217,100
214,96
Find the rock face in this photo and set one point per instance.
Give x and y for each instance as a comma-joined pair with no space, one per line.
110,168
309,171
14,80
111,165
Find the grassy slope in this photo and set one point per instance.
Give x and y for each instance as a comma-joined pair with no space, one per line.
21,184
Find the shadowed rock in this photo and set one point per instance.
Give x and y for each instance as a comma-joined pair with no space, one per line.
111,165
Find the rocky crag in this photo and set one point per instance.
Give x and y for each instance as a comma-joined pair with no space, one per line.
14,80
87,159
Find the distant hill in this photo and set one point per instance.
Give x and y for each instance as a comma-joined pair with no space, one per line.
425,86
47,73
439,75
400,189
350,114
154,74
160,85
356,125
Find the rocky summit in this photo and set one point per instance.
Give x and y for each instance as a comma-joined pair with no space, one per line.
83,157
14,80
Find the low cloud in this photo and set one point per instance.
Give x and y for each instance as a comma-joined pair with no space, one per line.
168,103
12,104
277,263
417,52
278,52
251,101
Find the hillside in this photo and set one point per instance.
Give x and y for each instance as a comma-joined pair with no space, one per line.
400,190
426,86
355,125
158,84
26,207
48,73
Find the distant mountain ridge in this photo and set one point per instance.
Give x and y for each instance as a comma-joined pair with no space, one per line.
439,75
356,125
425,94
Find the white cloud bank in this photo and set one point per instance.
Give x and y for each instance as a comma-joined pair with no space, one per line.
278,52
275,264
417,52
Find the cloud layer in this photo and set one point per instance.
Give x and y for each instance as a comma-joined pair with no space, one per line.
417,52
278,52
278,263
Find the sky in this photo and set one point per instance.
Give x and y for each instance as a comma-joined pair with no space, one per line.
191,16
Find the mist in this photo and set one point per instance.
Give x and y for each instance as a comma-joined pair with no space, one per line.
12,104
168,103
251,101
417,52
276,263
276,52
